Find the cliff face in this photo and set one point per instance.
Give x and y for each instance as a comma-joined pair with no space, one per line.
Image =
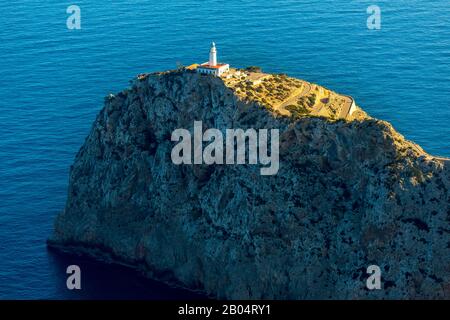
347,195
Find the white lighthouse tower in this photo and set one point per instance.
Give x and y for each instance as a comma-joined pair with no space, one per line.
212,66
213,55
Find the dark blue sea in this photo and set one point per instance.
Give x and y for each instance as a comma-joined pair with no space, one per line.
53,81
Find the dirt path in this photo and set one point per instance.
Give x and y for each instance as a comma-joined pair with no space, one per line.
441,158
428,156
292,99
318,108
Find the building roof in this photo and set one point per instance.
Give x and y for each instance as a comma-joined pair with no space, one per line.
207,66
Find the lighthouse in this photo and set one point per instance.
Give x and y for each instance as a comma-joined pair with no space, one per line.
213,55
212,66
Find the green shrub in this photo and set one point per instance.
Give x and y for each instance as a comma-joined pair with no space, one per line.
253,69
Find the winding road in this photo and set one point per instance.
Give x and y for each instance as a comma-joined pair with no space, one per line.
292,99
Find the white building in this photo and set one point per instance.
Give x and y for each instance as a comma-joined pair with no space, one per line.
212,67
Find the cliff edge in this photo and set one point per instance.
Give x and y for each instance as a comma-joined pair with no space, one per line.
349,193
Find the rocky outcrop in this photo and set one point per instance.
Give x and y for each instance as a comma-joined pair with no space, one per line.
348,194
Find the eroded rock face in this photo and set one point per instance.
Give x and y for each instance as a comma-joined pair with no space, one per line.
347,195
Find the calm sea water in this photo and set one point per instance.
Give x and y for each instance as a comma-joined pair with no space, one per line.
53,80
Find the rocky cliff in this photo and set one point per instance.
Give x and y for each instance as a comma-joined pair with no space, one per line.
348,194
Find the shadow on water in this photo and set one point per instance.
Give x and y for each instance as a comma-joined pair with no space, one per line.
110,281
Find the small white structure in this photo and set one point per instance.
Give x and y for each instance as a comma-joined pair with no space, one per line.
212,67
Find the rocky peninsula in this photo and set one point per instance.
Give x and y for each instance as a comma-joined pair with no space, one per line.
350,192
